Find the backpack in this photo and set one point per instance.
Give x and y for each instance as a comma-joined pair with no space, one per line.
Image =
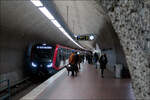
76,58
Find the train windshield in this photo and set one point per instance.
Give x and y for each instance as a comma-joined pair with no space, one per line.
42,53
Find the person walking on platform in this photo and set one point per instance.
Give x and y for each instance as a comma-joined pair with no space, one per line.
95,59
78,59
73,60
103,62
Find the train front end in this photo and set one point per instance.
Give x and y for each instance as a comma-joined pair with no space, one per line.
41,61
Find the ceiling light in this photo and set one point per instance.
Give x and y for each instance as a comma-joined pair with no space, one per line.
46,13
65,33
51,17
62,29
91,37
37,3
55,22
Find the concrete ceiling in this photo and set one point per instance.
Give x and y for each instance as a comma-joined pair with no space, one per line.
24,19
82,17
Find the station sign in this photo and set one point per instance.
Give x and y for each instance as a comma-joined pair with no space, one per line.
85,37
82,37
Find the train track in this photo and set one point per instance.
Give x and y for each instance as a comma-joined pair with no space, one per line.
23,87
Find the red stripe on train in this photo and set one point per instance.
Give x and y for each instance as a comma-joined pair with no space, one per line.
55,57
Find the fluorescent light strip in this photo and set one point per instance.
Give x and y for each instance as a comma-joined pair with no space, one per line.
46,13
56,23
64,32
51,17
62,29
37,3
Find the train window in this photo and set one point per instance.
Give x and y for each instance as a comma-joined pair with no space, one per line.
42,52
58,58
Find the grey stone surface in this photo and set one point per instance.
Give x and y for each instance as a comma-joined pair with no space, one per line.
131,21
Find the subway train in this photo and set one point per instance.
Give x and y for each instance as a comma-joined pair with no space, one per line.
46,60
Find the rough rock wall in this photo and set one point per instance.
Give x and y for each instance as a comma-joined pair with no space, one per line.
131,21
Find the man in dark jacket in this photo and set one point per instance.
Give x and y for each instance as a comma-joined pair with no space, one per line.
95,59
103,62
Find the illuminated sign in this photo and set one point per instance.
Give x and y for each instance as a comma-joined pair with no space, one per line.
85,37
82,37
44,47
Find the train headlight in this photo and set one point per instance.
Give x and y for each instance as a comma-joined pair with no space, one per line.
49,65
34,65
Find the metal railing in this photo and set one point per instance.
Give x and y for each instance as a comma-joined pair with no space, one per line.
7,95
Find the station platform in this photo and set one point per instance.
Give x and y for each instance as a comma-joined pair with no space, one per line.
88,84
